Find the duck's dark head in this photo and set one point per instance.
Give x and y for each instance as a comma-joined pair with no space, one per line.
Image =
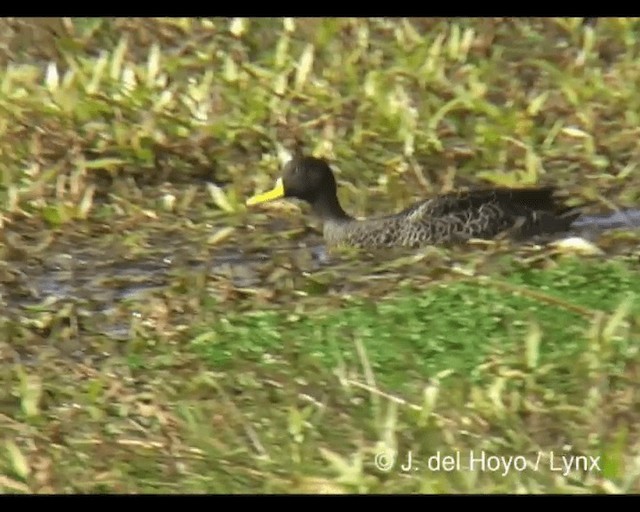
309,179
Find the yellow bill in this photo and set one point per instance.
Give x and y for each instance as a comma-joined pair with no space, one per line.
275,193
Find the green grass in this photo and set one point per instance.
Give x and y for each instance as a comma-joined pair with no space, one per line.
127,150
534,365
423,332
518,366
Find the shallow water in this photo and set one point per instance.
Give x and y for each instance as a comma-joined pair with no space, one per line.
621,219
99,282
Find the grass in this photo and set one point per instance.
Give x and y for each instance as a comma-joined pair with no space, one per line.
128,148
304,401
467,321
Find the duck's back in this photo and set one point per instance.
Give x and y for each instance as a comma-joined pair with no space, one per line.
461,216
508,199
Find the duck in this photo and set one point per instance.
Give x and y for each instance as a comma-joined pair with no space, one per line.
444,219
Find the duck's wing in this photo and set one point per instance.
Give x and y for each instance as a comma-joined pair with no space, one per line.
541,198
539,222
485,213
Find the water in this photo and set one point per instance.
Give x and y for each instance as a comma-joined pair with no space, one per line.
617,220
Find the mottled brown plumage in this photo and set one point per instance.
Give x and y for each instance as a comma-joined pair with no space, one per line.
444,219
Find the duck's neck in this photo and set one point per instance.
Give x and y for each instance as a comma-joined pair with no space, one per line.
329,210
